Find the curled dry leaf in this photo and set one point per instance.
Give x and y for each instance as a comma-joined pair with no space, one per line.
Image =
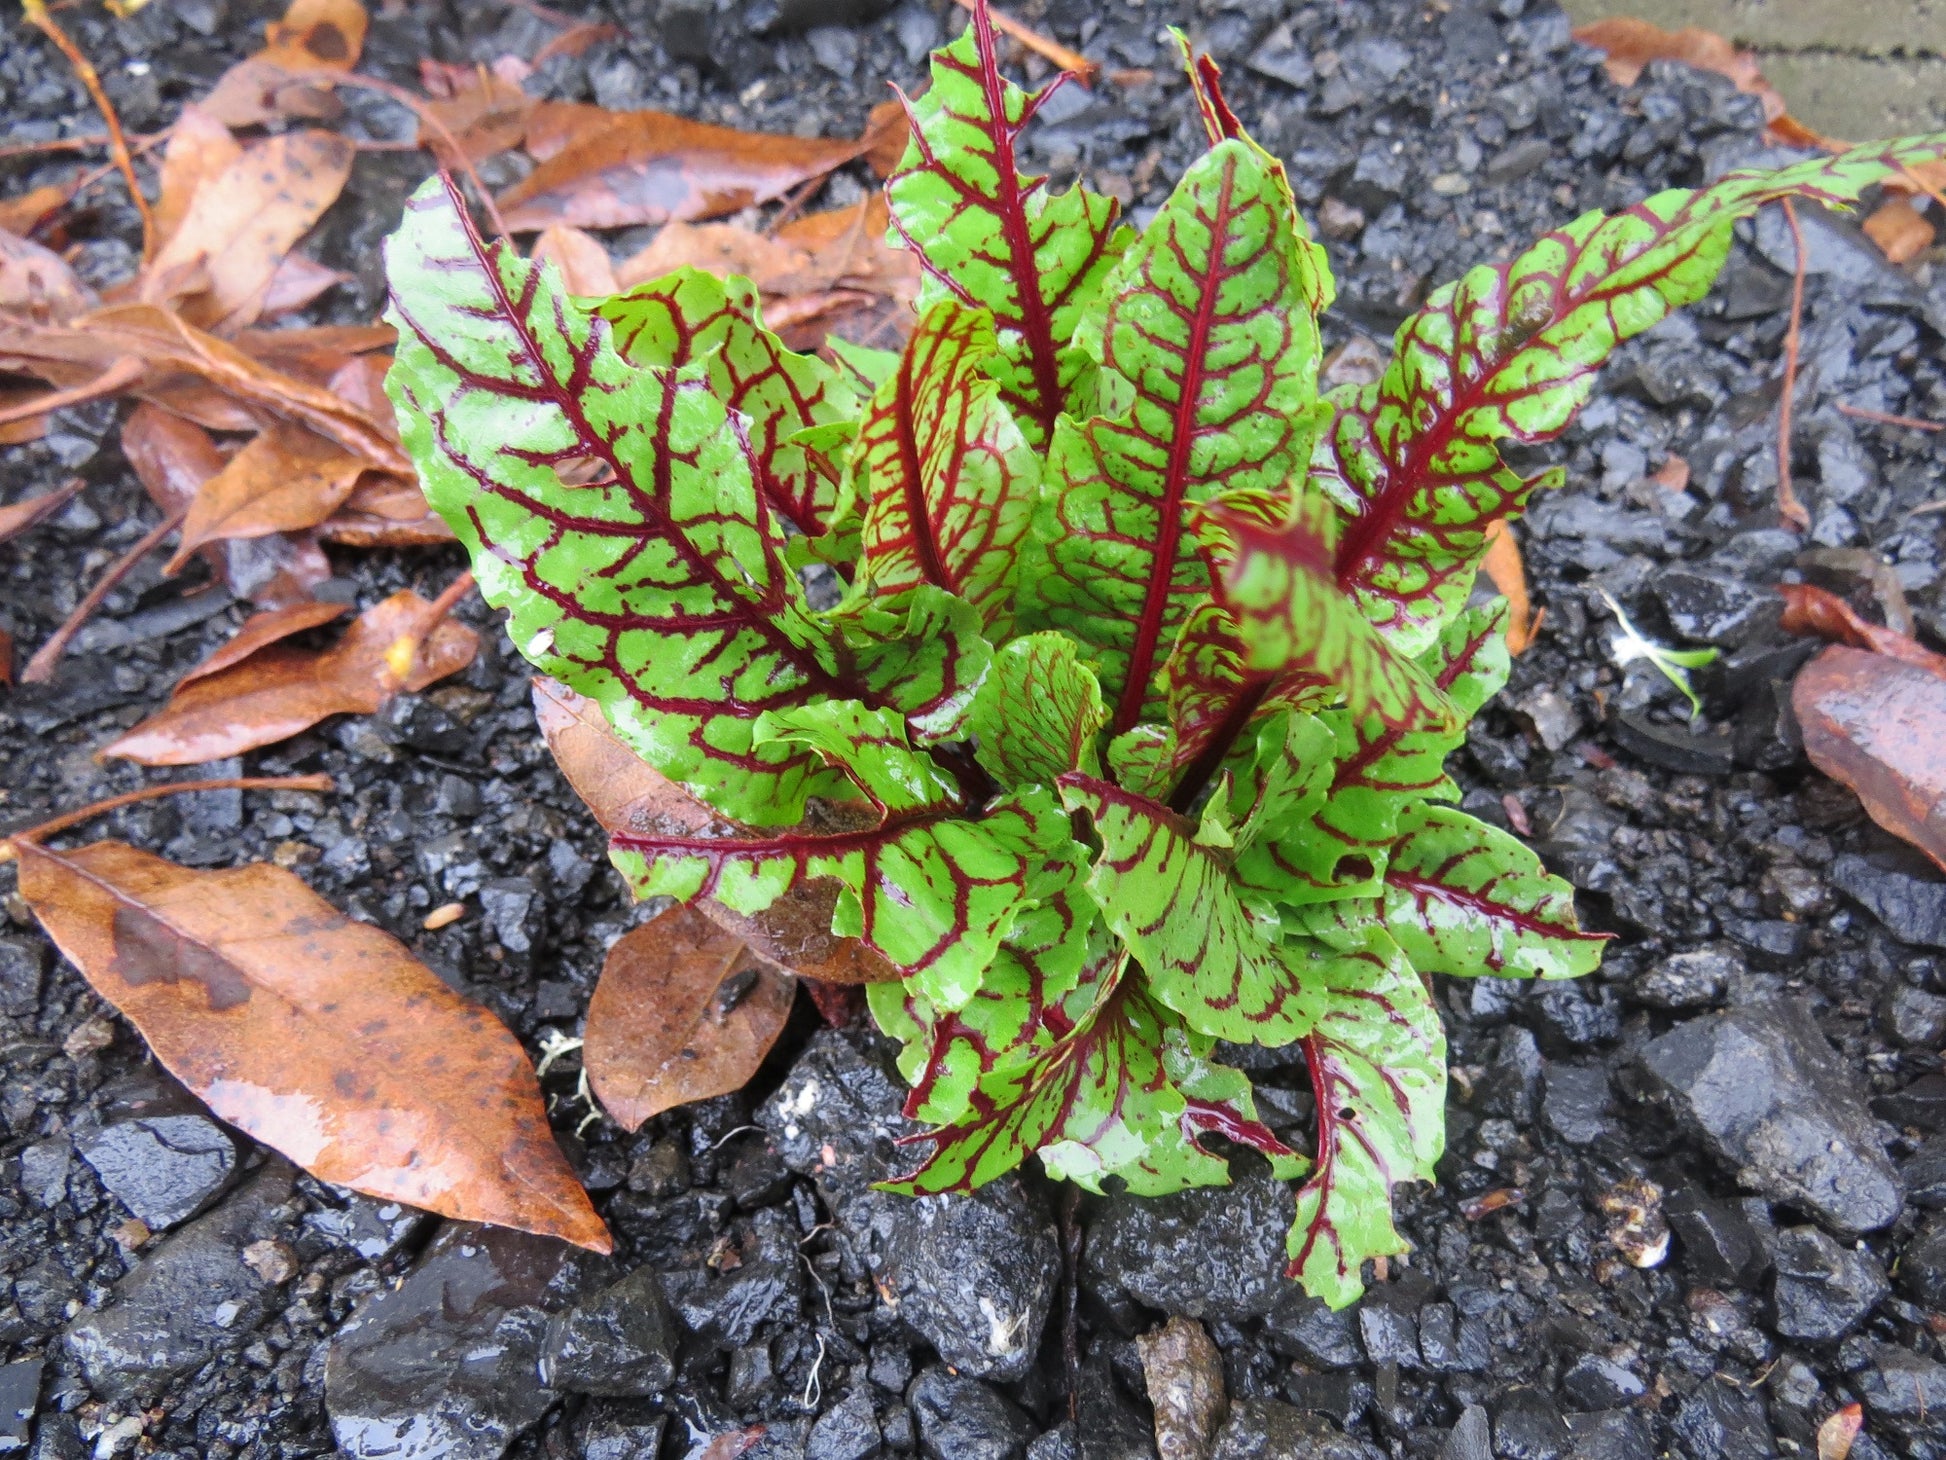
630,797
17,517
1507,573
284,480
1899,230
1812,610
278,691
263,629
313,35
684,1011
317,1035
585,266
617,169
1878,724
173,458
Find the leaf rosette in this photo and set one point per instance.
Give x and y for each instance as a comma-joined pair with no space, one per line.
1124,735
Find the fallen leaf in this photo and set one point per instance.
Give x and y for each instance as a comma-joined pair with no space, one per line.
173,458
318,1035
286,479
1899,230
37,282
262,629
887,133
313,35
1672,475
20,429
17,517
299,279
279,691
1839,1430
241,223
1812,610
1628,45
585,267
1873,723
721,249
314,353
1507,573
486,109
22,215
200,148
385,511
650,167
628,795
683,1011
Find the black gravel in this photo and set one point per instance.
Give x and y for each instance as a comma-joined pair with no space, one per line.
1747,1098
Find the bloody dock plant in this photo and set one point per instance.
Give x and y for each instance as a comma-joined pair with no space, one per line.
1126,733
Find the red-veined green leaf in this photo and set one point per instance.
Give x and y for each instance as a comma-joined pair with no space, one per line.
1209,360
946,480
1377,1059
662,592
1038,712
996,240
1510,353
691,316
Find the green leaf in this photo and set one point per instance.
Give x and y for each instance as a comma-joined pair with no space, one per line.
1510,353
1377,1060
691,316
1295,622
1672,664
933,885
1165,889
662,593
1209,349
996,240
1038,712
947,481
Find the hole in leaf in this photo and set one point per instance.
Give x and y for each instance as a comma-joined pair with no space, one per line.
1353,867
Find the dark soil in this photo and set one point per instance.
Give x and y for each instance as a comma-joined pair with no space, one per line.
1760,1046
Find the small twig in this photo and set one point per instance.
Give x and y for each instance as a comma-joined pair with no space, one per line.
66,819
427,117
1885,418
125,371
40,668
1788,506
77,144
1073,62
38,17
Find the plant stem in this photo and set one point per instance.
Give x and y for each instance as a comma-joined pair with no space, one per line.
1788,506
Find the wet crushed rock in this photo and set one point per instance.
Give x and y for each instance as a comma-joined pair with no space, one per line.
155,1293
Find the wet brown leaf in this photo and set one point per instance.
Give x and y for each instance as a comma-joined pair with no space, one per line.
22,215
1878,725
628,795
1507,573
585,266
298,280
1628,45
17,517
279,691
1812,610
173,458
683,1011
887,132
263,629
385,511
319,1036
284,480
315,353
313,34
199,149
1839,1431
650,167
241,222
485,108
1899,230
38,283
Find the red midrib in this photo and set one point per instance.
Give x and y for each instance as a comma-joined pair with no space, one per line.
1036,326
1148,631
923,546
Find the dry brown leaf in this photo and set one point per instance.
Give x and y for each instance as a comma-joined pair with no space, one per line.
1628,45
242,221
629,796
315,353
17,517
887,133
19,429
284,480
585,266
721,249
1839,1431
385,511
684,1011
320,1036
279,691
650,167
173,458
1809,609
199,149
314,34
22,215
298,280
485,108
1900,230
38,283
360,381
263,629
1507,573
1874,722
